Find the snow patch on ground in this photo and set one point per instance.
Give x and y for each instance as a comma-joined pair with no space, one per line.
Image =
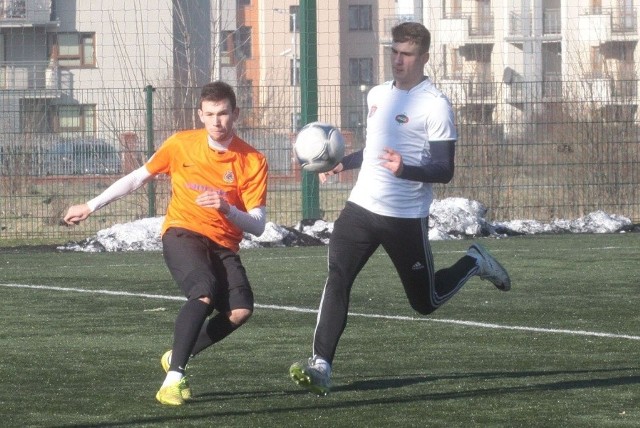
451,218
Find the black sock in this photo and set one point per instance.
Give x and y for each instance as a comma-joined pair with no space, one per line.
187,327
449,278
213,331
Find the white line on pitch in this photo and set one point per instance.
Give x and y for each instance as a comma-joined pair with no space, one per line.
354,314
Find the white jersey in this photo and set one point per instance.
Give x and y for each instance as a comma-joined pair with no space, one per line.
404,121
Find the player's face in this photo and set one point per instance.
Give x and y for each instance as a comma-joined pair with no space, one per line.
218,118
407,64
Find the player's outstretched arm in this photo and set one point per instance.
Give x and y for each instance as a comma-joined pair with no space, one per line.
120,188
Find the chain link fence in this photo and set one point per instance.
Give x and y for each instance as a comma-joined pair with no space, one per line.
562,161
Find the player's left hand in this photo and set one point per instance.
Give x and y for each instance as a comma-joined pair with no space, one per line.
393,161
213,199
324,176
76,214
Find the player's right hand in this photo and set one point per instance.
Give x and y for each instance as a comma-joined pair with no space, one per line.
76,214
324,176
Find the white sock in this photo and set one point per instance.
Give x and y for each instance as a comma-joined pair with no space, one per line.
172,377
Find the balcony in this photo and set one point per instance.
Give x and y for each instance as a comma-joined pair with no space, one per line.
601,25
520,91
462,28
521,27
391,21
608,90
625,89
33,75
469,88
25,13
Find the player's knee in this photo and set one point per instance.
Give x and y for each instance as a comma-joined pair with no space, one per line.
237,317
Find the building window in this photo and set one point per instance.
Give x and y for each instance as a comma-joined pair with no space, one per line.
360,71
294,19
360,18
33,115
75,49
226,48
13,9
597,63
74,119
243,42
453,62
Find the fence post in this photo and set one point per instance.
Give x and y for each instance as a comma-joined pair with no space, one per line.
309,100
151,186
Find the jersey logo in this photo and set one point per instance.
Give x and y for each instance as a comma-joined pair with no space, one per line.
402,119
372,110
228,177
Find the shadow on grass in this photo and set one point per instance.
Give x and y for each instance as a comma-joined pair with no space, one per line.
384,383
203,401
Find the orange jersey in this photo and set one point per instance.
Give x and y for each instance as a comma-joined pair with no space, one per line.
239,173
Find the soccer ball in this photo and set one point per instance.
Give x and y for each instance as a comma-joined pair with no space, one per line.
319,147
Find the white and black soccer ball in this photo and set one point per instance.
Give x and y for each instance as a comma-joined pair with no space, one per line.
319,147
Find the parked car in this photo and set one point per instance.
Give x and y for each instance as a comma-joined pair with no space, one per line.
82,156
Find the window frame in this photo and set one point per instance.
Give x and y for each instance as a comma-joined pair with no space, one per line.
360,17
227,41
86,118
82,54
242,41
361,71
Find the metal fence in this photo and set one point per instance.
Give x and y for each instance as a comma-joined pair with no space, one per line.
540,161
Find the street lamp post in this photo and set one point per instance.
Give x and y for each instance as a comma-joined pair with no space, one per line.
363,90
294,66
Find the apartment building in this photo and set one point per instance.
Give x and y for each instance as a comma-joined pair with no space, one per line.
66,65
73,68
507,61
69,67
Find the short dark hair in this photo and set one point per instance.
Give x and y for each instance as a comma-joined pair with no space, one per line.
412,32
218,91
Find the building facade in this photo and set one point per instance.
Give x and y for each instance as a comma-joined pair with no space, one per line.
68,67
511,61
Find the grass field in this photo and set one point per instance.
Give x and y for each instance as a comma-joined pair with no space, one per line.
82,335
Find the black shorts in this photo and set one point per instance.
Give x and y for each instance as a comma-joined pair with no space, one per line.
202,268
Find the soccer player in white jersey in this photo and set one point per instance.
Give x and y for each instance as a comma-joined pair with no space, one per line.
410,144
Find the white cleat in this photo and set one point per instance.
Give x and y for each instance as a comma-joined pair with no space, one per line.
489,268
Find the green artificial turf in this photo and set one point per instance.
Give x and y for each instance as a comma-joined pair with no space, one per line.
82,334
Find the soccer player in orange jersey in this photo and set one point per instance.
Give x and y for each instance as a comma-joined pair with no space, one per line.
218,191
